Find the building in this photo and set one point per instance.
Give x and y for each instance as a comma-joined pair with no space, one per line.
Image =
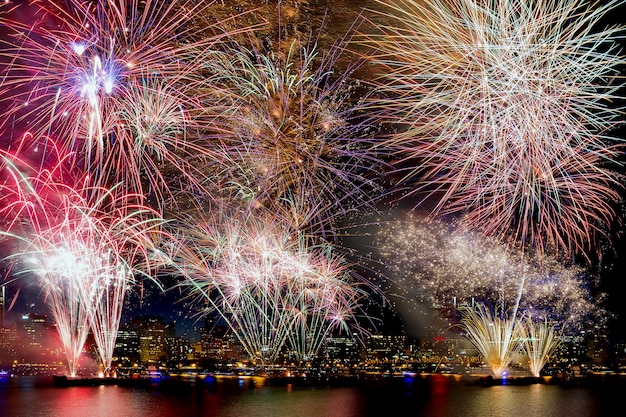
218,342
127,347
3,294
385,347
8,343
152,334
345,348
32,332
178,350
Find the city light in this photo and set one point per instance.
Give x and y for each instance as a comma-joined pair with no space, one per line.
221,152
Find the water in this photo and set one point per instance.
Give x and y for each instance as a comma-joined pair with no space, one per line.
436,396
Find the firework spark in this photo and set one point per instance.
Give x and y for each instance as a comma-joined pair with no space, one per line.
268,285
115,83
295,134
508,107
443,266
495,336
86,244
499,337
539,341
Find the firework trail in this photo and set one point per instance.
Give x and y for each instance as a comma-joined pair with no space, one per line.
539,341
115,82
444,266
295,136
507,108
324,297
86,245
270,287
494,335
500,336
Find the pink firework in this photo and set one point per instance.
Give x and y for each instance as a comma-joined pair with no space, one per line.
115,83
85,244
507,108
271,288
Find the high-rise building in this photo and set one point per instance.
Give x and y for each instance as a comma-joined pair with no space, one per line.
217,342
127,346
385,346
8,344
37,340
344,347
33,327
152,332
178,349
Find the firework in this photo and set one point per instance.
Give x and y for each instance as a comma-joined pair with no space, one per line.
294,134
494,335
85,244
268,285
539,341
114,82
61,274
324,297
444,266
507,108
499,336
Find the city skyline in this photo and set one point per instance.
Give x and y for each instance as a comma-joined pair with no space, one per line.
249,165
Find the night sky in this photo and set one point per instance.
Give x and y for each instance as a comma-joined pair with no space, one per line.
24,295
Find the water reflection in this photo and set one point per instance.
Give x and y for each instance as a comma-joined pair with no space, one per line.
435,395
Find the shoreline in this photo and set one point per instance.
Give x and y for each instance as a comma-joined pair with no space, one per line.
212,380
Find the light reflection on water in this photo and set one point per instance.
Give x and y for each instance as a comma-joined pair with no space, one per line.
433,397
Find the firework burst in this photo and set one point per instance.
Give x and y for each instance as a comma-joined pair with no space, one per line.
508,107
114,83
445,267
499,336
86,245
494,334
268,285
295,134
539,341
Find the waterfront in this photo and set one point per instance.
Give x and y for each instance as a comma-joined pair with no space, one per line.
431,396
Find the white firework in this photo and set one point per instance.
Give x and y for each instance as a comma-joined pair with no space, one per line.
508,107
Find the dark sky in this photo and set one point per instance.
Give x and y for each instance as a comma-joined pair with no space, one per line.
27,298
